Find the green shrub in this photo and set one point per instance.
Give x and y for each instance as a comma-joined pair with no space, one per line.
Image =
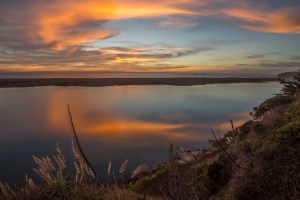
289,134
269,104
292,114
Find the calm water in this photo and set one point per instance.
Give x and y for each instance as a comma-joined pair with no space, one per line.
116,123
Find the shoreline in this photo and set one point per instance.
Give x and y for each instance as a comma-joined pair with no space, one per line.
101,82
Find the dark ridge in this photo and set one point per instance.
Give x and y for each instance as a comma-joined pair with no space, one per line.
99,82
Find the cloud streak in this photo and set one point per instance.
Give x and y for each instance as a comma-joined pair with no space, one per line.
101,59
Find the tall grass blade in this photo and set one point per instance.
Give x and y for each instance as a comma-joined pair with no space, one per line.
123,166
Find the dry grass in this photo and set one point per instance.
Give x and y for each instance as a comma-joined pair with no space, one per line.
60,183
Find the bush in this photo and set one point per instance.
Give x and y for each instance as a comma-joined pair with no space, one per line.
269,104
288,134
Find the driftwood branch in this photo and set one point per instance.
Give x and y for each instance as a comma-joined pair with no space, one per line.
80,149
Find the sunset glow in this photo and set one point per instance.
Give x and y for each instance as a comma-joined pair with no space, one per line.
150,36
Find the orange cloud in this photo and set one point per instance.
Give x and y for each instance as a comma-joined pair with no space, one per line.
81,38
134,9
60,22
285,20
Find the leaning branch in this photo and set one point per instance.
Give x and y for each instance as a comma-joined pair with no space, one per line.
80,149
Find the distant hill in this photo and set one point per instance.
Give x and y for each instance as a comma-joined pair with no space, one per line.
287,76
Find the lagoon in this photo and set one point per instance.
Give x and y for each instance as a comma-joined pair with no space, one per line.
116,123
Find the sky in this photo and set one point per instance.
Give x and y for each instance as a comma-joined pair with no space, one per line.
250,36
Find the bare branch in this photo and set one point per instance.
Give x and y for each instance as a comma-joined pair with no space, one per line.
80,149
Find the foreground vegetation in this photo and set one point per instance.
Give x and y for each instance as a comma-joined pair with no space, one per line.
63,182
258,160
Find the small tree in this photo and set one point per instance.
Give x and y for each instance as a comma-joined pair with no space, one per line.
291,87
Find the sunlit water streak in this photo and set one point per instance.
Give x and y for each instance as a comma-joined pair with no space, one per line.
119,122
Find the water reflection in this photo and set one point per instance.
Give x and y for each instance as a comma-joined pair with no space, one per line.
116,123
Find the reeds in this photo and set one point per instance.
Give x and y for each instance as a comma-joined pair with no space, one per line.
7,192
